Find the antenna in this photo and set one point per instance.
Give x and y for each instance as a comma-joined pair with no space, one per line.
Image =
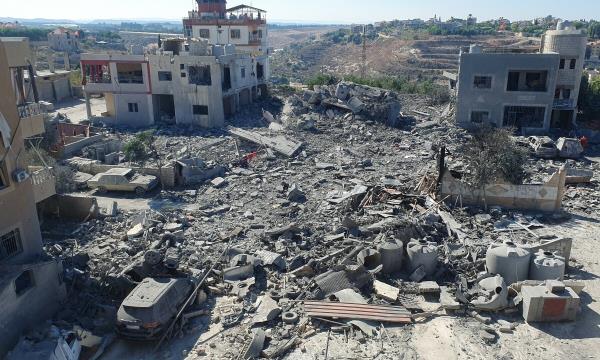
363,70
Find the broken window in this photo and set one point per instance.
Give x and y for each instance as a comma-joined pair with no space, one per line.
133,107
204,33
480,117
562,63
128,73
200,75
260,71
529,81
3,180
243,72
200,109
10,244
24,282
181,66
188,31
566,93
165,76
524,116
236,34
573,63
482,82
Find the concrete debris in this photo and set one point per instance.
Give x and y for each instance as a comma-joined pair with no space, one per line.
290,239
385,291
552,301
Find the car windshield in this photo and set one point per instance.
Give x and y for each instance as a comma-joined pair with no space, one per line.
130,175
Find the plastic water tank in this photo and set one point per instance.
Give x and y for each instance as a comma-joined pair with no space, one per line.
547,266
509,261
391,256
422,252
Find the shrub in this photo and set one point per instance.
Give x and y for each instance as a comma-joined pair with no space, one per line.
492,155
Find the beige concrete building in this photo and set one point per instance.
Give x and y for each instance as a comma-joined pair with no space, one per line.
30,282
63,39
243,26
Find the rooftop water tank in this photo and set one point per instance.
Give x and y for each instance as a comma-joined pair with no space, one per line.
422,252
509,261
391,256
547,266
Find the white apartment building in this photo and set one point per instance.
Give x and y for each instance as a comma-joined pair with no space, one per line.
187,81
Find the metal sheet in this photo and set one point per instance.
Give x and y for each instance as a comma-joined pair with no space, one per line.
384,313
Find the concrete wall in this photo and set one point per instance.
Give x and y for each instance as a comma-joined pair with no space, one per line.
53,90
143,118
545,197
166,173
75,208
187,95
495,99
24,312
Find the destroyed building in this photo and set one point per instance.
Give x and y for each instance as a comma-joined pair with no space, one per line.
532,92
196,80
63,39
31,285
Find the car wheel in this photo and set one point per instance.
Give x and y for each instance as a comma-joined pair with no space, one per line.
140,191
102,190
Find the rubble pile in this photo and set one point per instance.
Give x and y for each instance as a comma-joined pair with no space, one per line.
285,247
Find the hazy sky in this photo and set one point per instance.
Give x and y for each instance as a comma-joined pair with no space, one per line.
306,10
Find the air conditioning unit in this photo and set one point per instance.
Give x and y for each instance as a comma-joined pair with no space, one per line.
20,175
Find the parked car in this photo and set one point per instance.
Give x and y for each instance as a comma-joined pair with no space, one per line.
119,179
149,309
543,147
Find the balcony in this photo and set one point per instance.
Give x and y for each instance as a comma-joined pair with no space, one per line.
44,183
32,119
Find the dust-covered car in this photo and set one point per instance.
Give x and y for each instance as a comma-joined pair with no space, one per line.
149,309
122,179
543,147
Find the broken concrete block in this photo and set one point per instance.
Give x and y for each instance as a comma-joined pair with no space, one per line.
385,291
172,227
295,194
550,302
218,182
355,105
429,287
447,300
135,232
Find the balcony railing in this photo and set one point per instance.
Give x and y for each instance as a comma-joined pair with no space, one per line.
99,79
564,104
44,183
32,119
29,110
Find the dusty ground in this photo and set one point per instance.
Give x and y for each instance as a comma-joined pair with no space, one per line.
75,109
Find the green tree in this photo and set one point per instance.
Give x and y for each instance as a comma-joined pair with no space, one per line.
139,147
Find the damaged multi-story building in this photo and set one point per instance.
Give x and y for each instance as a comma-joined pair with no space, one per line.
532,92
220,65
31,285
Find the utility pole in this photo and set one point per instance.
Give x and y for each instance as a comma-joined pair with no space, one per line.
363,70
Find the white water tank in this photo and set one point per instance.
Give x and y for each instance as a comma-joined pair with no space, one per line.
509,261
